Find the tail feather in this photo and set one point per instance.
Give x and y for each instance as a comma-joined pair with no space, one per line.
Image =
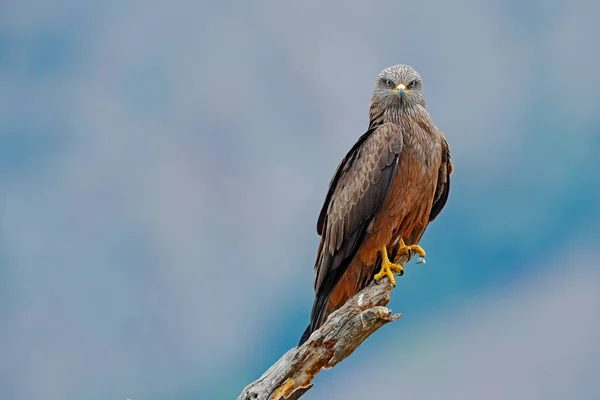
319,313
307,332
356,278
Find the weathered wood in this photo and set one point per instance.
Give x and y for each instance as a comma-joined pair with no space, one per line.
345,329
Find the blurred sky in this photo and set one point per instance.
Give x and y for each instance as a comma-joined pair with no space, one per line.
163,164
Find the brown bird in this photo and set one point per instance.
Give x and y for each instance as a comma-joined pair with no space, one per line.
385,191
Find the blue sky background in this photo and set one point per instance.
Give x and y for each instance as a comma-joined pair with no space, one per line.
163,164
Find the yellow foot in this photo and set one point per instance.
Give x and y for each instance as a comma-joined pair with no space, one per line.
403,249
387,267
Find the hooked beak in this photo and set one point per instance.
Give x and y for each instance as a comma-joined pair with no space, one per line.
400,90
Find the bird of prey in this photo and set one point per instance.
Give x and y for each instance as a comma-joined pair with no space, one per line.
385,191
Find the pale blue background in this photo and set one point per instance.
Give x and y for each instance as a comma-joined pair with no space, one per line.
162,165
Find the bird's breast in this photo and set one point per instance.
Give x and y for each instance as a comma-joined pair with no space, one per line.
409,200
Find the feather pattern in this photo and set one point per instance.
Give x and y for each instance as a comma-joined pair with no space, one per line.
356,191
389,186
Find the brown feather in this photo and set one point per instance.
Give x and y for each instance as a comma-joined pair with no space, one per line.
443,182
390,185
357,191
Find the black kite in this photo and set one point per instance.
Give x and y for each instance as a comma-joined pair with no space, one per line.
390,185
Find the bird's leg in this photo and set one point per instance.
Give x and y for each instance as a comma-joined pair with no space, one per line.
387,267
404,250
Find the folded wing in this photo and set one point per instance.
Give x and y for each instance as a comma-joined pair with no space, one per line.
357,190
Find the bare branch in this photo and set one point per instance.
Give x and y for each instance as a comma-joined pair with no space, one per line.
345,329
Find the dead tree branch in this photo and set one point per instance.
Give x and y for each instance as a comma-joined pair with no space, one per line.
345,329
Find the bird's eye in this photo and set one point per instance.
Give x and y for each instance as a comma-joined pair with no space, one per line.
412,84
388,83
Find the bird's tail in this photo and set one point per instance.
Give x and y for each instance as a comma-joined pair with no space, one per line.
361,275
332,267
305,335
320,311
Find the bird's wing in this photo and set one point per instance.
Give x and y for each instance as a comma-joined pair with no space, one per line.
443,182
357,190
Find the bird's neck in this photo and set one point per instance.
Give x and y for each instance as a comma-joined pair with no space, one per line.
379,115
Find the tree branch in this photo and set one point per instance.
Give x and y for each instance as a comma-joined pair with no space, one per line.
345,329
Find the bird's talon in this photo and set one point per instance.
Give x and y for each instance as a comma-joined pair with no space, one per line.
389,272
388,268
410,251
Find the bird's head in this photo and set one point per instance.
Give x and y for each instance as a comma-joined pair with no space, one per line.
398,86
